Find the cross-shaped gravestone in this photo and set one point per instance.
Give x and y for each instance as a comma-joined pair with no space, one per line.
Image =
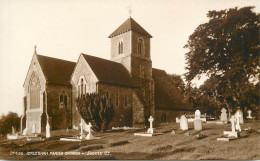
88,128
233,123
249,114
197,114
81,129
150,130
237,119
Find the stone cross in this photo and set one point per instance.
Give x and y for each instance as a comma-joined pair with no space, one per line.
48,133
129,10
249,114
237,119
197,114
233,123
81,129
150,130
88,128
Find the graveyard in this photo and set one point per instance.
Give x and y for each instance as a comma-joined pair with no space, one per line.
199,141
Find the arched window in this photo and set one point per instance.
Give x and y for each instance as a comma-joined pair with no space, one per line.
35,89
140,46
63,100
81,87
120,47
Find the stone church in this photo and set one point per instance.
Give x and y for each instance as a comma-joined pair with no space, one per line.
137,90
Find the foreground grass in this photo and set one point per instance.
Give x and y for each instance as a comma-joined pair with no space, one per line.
124,145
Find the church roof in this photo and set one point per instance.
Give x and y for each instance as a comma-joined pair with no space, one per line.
129,24
56,71
109,72
167,95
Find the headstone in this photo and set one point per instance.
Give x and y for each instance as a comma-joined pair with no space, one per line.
81,129
197,114
249,114
241,120
177,120
25,131
33,129
232,133
223,116
237,120
13,131
197,124
48,133
183,123
150,130
88,128
173,132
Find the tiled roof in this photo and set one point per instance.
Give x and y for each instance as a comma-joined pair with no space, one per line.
167,95
56,71
129,24
109,72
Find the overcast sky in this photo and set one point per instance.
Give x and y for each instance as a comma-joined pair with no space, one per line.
66,28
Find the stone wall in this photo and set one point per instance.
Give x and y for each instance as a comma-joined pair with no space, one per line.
123,114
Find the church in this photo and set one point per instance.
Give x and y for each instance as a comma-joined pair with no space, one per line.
136,88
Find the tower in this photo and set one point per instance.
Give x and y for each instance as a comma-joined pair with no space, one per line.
130,46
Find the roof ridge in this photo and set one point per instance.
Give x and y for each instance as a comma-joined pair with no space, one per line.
101,58
54,58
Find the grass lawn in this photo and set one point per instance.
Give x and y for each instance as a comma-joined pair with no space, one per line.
124,145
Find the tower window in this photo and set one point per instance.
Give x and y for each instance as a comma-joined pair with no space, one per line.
140,46
120,47
141,71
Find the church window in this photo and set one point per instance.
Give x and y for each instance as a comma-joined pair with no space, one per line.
125,100
65,101
120,47
141,71
117,99
81,87
61,98
140,46
163,117
35,88
78,90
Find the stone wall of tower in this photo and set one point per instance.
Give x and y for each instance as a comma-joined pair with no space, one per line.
125,57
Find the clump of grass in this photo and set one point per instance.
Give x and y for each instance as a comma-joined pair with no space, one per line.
162,149
90,147
118,143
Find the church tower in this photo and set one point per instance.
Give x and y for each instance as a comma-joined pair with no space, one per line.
130,46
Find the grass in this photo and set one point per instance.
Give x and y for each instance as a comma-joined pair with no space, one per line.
124,145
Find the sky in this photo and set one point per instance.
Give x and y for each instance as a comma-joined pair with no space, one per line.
65,28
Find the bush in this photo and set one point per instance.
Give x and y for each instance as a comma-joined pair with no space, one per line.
7,121
97,109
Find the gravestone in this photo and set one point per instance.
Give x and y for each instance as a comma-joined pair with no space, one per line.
183,123
197,114
81,129
249,114
150,130
232,133
13,131
177,120
241,119
197,124
223,116
88,128
237,120
48,133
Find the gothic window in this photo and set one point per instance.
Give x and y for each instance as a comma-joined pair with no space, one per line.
141,71
63,100
117,99
81,87
140,46
35,88
120,47
125,100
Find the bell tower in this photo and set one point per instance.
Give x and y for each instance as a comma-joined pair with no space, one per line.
130,46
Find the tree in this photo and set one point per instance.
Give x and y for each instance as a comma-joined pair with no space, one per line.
226,48
177,80
7,121
96,108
